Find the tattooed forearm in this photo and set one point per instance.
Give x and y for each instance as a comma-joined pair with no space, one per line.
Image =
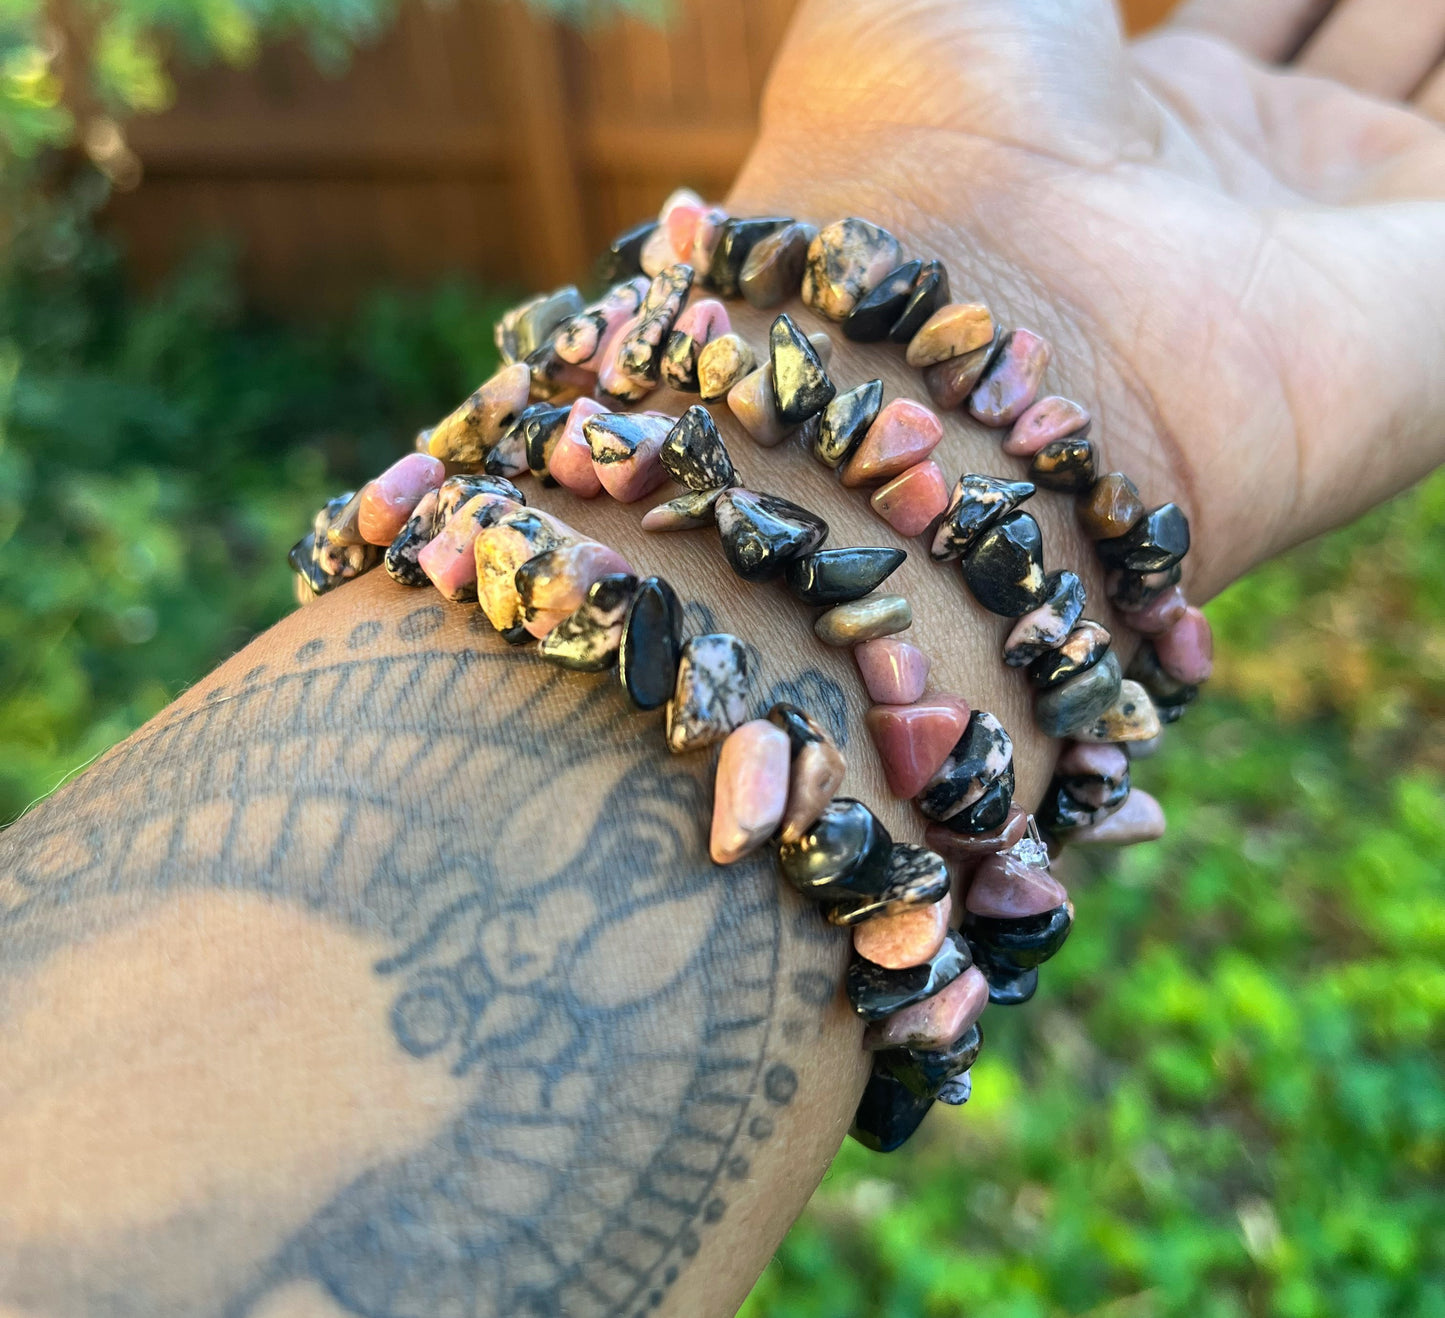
488,1032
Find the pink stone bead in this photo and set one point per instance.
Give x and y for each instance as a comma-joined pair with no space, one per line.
571,571
1186,650
449,558
965,849
542,622
1049,419
681,225
751,789
914,740
935,1022
1160,614
1011,383
611,378
754,404
705,235
894,671
1004,888
389,500
636,475
902,434
584,338
904,938
910,502
1101,759
703,321
1139,819
571,462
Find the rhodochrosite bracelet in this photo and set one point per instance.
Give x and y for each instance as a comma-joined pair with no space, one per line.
450,516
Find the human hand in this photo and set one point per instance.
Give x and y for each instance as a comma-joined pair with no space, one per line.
1232,231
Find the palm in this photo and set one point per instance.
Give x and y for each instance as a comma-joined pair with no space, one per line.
1240,266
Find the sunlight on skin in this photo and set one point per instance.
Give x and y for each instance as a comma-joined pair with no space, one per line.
289,1044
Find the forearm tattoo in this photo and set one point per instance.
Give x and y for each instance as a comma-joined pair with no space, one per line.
519,851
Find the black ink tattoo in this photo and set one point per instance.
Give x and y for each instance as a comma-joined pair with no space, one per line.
609,1112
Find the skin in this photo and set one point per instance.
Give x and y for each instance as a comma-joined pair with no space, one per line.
385,973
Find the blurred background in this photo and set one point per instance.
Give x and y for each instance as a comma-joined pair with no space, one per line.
251,244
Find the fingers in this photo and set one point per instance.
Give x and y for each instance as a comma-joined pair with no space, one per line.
1382,47
1270,30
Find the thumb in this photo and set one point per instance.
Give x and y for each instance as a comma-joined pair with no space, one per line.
1046,75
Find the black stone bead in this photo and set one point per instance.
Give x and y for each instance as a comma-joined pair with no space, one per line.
1060,709
694,453
801,386
877,311
989,811
762,534
888,1113
587,641
737,239
517,635
541,427
844,422
843,856
977,503
836,576
1171,711
930,292
978,758
1009,986
1132,591
1066,464
876,992
623,258
1061,810
650,644
1082,649
400,559
1020,943
1158,540
916,877
1005,567
801,727
926,1071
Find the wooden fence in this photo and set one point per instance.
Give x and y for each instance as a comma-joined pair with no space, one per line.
475,137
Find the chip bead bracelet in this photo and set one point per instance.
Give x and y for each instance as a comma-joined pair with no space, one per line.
852,271
920,985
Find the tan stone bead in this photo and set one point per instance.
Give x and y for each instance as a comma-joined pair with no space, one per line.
468,433
773,271
1132,717
952,331
1110,507
864,620
950,383
814,779
722,364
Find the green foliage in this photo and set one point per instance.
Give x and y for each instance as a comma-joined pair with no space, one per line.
1228,1097
157,458
110,59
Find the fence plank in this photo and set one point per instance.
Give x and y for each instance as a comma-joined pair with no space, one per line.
475,138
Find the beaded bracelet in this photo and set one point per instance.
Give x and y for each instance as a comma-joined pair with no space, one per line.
852,271
920,986
1015,915
1081,684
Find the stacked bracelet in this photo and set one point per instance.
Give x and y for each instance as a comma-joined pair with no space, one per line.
920,984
